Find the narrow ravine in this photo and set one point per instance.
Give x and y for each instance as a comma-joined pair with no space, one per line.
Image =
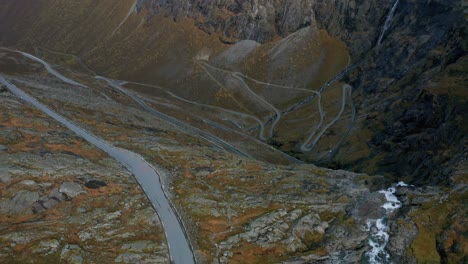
132,10
149,179
379,230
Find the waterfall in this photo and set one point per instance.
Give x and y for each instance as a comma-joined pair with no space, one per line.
388,22
378,228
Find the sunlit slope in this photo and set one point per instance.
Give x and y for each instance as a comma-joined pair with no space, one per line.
111,37
248,87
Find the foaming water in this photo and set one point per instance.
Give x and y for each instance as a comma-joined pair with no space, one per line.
378,228
388,22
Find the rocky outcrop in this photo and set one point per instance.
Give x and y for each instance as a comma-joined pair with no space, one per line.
415,74
55,206
20,203
408,90
406,77
240,20
71,189
437,239
48,201
357,22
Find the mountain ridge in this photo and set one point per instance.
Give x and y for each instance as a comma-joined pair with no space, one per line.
346,85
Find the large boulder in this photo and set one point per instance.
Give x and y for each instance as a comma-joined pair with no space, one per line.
71,189
21,203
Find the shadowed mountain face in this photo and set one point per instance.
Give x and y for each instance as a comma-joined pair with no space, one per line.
403,116
375,87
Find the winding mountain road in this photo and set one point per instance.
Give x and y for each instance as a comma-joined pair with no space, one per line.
322,117
262,126
214,124
239,76
41,50
277,115
306,146
352,121
50,69
179,246
244,115
180,249
318,94
224,88
210,138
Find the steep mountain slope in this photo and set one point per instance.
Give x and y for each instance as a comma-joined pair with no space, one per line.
412,84
63,200
218,194
235,209
399,75
226,95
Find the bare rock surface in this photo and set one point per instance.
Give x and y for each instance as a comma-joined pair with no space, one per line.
20,203
71,189
235,209
47,212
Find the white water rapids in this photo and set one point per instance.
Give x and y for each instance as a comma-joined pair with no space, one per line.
378,229
388,22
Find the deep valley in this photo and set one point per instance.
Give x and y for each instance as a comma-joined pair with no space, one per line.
233,131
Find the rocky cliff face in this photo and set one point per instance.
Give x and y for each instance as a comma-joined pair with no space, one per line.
416,74
236,20
263,20
410,85
259,71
